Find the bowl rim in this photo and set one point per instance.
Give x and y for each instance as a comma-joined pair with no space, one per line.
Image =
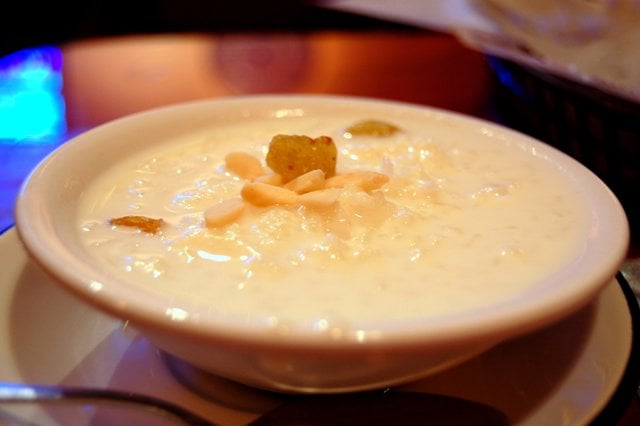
598,263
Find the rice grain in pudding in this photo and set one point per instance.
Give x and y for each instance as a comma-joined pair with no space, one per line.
466,219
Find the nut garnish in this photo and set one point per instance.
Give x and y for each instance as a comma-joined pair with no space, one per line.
244,165
270,178
303,173
310,181
223,213
320,199
365,180
262,194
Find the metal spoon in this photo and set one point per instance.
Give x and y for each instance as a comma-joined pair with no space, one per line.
16,392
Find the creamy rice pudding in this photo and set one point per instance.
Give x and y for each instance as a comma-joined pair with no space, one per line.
465,219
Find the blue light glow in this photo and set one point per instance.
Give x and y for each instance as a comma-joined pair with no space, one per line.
31,102
505,76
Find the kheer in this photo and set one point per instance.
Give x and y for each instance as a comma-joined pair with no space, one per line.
464,219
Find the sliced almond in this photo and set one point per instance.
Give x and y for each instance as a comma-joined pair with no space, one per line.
365,180
224,212
262,194
307,182
270,178
320,199
244,165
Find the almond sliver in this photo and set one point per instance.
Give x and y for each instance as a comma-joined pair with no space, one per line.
365,180
307,182
224,212
270,178
320,199
244,165
262,194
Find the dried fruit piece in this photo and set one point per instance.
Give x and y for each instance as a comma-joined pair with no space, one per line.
224,212
262,194
293,155
143,223
372,128
307,182
244,165
365,180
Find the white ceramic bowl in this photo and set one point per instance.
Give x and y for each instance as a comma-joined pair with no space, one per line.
388,353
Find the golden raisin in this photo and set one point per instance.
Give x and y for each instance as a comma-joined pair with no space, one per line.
372,128
143,223
291,156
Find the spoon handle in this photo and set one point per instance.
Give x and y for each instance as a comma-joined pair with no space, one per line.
25,393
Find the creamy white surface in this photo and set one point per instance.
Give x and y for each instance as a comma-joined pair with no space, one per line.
460,224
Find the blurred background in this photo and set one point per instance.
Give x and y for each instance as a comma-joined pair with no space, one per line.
67,67
34,24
